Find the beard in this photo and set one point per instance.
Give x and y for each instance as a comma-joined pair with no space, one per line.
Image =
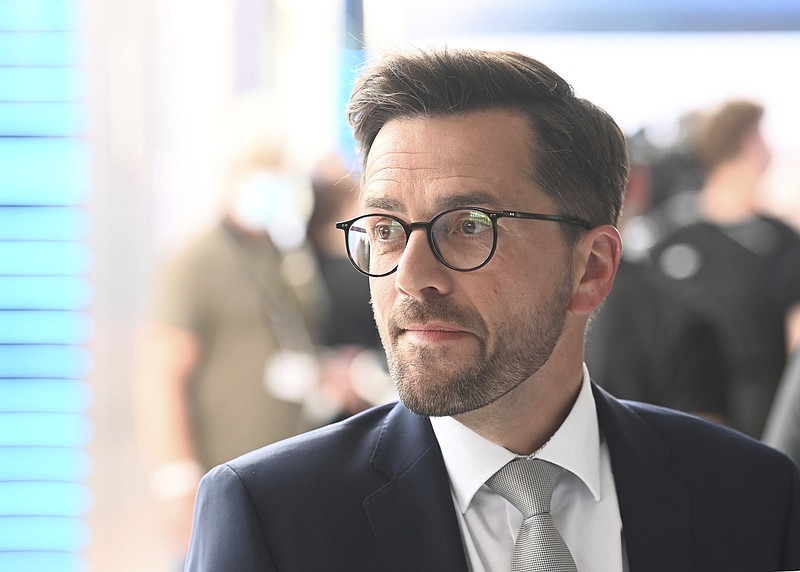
428,381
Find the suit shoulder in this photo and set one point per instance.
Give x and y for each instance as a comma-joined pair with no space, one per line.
336,443
707,442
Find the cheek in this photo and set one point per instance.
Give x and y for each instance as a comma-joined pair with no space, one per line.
380,290
522,280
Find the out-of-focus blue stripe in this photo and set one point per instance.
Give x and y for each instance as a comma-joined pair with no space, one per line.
44,327
40,395
44,258
44,430
44,499
34,15
351,56
45,292
44,223
41,533
43,172
44,361
44,163
44,464
42,561
38,49
25,84
42,120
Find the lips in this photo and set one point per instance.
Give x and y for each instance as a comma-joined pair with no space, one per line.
434,321
434,327
434,333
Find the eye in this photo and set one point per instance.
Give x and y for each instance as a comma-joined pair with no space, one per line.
472,223
386,229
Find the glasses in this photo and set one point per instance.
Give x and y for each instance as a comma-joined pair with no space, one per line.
463,239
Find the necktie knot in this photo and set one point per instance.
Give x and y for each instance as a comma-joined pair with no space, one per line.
528,484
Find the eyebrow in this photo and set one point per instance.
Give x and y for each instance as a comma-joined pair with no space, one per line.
475,199
383,203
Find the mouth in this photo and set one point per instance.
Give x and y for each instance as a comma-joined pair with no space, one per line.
433,333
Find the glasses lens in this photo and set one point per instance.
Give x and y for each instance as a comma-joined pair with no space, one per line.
464,238
376,243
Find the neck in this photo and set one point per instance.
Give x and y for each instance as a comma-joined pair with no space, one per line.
729,196
524,419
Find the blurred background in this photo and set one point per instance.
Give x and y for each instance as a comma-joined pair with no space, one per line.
117,122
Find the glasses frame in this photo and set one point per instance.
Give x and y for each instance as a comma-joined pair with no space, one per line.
428,226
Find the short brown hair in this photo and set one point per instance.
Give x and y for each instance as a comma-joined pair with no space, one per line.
579,156
723,134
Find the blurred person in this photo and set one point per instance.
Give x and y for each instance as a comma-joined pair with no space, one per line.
782,430
644,343
356,367
486,224
335,198
226,362
677,175
738,264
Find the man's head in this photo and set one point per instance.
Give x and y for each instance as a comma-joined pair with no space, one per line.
577,154
493,133
732,133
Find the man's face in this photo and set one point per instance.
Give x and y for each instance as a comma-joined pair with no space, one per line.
457,341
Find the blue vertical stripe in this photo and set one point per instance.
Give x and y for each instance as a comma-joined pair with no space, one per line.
27,498
44,288
38,15
18,533
44,327
44,258
45,292
44,430
40,84
351,57
38,49
44,463
44,395
42,561
44,223
43,361
43,171
50,119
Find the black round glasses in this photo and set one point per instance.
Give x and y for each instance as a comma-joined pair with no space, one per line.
463,239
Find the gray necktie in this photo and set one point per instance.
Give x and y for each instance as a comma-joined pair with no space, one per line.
528,484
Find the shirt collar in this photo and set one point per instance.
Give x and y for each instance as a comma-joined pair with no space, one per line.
470,459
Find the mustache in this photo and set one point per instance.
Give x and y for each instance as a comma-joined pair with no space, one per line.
411,311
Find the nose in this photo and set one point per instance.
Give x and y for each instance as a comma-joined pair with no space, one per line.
419,272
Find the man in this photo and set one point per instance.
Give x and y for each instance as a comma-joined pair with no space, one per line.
482,311
200,393
740,265
646,343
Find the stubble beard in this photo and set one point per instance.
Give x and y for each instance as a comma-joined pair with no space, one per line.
429,384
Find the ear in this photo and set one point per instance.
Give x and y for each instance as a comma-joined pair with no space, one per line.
596,259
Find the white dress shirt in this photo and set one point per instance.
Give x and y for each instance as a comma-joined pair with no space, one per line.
584,506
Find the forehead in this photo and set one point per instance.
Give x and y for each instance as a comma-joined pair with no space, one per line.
429,163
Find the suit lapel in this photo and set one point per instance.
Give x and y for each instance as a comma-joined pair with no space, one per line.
412,516
655,510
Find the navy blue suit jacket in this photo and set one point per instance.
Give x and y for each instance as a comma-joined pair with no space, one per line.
372,493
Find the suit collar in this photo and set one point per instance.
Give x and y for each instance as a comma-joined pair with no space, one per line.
415,508
655,509
413,516
471,459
